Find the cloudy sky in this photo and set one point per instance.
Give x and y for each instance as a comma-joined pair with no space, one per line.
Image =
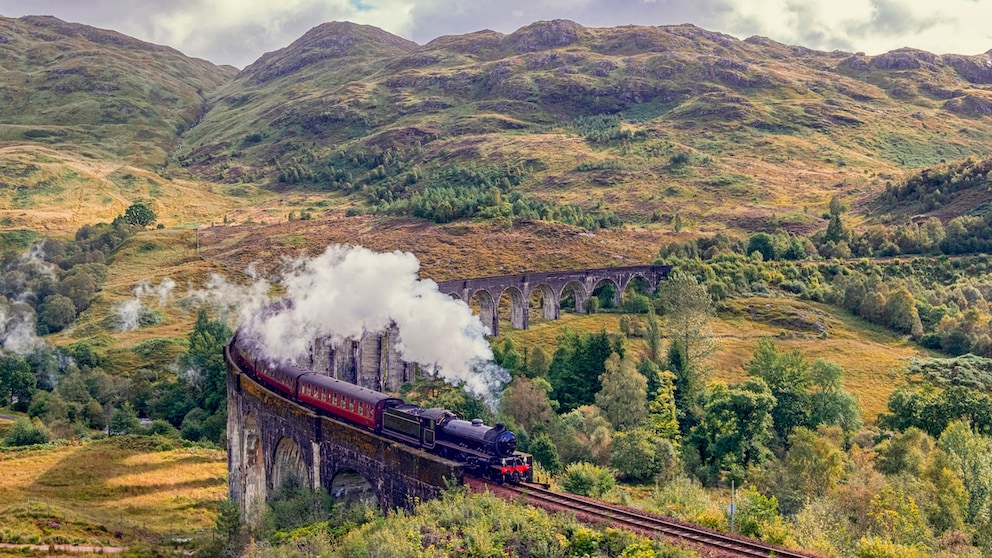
237,32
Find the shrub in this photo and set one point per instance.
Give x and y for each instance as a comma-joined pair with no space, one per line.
26,433
592,305
160,427
636,304
586,479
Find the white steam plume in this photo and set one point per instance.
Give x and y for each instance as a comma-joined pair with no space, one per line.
17,329
239,302
349,290
130,312
35,258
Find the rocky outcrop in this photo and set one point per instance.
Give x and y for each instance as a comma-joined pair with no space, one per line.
975,69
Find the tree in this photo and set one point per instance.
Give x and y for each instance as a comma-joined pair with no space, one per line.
896,514
652,332
757,516
634,454
79,288
787,377
947,505
526,403
662,412
49,407
735,430
25,433
814,463
901,313
971,455
762,243
829,403
206,356
688,308
537,363
73,388
545,453
508,357
623,397
585,435
576,366
835,230
56,313
904,452
93,414
689,387
124,421
17,382
139,214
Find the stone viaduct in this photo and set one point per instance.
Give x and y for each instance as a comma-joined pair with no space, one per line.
552,288
271,439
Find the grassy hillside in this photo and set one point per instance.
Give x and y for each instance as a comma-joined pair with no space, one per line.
53,191
96,92
646,123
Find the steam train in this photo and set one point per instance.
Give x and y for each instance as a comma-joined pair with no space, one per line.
486,451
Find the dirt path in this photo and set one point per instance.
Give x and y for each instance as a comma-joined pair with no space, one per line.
71,548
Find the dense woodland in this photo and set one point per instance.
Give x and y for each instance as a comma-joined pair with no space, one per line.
68,390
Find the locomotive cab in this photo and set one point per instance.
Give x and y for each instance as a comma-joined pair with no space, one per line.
414,424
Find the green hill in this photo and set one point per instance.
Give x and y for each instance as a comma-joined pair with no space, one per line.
97,92
640,122
673,126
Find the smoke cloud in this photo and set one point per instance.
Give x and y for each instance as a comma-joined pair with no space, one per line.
350,290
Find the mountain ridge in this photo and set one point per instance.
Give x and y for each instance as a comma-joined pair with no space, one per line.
639,124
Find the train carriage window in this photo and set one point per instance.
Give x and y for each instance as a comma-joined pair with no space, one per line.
335,398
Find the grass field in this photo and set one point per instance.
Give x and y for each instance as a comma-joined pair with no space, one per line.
113,492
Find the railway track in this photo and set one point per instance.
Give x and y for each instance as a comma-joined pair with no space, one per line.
589,510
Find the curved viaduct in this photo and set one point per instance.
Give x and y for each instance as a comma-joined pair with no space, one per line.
551,287
271,439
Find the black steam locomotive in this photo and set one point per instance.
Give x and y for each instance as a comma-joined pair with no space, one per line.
487,451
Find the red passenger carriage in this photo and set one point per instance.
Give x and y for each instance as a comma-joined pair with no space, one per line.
346,400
